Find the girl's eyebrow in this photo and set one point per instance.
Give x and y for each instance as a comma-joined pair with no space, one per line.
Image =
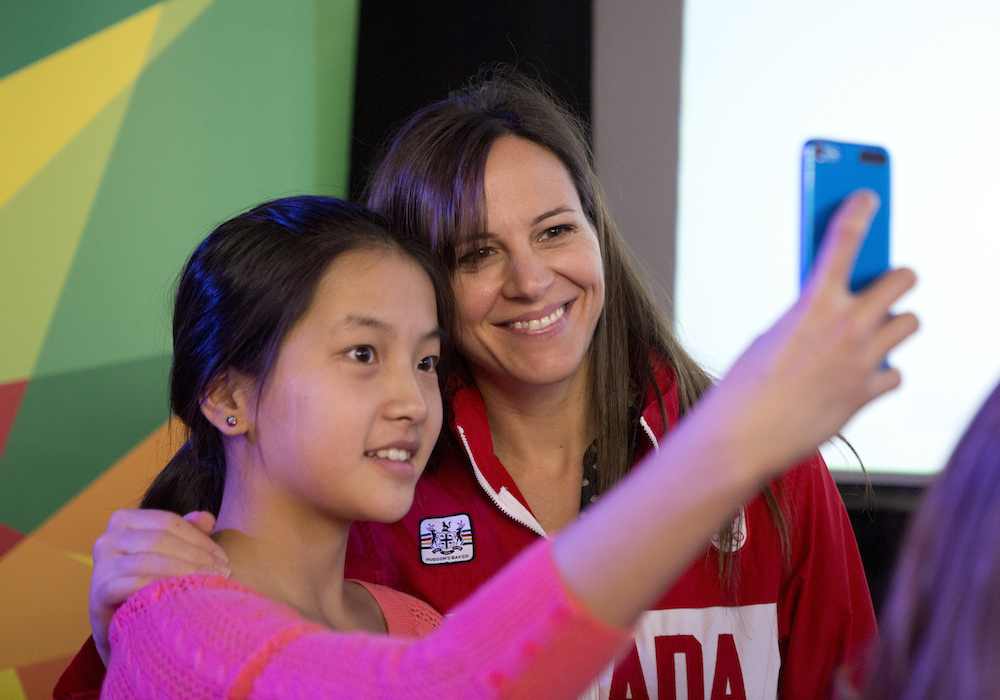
379,325
365,322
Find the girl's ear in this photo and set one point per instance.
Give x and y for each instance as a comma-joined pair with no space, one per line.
227,403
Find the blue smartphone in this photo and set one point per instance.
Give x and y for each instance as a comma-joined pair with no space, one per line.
831,171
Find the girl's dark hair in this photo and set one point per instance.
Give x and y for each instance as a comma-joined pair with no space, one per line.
429,182
241,291
940,629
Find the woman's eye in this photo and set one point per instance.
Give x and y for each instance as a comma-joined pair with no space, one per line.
429,363
556,231
364,354
474,257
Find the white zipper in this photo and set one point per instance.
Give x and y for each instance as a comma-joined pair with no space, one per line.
529,521
649,433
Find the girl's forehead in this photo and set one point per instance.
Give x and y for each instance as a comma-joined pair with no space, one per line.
375,277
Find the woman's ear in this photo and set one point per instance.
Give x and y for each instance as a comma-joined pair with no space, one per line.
227,403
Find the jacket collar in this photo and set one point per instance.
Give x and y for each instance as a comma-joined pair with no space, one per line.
472,429
652,420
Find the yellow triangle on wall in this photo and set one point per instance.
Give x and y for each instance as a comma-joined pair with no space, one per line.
46,220
50,101
10,685
51,182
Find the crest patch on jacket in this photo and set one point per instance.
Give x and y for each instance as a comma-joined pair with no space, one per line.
446,540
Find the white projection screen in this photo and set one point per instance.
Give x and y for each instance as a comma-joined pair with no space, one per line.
921,79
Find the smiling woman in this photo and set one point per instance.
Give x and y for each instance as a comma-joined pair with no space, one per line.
530,290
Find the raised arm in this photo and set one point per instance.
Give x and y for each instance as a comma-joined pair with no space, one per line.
793,388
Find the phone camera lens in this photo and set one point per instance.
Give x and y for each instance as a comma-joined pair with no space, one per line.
826,153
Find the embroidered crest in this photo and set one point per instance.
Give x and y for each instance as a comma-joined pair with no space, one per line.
446,540
739,530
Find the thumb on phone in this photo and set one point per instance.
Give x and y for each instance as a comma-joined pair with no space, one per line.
843,239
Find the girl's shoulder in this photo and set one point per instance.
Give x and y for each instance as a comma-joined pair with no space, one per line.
199,599
171,628
179,588
404,615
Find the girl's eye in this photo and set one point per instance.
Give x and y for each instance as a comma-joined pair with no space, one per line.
556,231
365,354
429,363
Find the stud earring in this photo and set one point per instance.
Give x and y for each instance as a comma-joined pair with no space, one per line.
231,421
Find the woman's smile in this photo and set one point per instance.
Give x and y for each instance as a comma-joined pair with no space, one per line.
547,321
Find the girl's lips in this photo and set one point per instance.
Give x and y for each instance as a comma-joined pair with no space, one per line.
400,470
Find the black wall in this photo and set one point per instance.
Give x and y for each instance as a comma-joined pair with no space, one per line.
880,516
410,54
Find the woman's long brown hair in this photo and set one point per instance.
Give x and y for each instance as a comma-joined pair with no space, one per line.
429,183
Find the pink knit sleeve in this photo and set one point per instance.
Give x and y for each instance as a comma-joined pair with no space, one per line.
521,635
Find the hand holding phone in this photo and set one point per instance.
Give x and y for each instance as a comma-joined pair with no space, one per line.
831,171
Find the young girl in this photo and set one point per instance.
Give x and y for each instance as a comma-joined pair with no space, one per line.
569,379
306,344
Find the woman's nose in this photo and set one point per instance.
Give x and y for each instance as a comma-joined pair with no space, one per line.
528,276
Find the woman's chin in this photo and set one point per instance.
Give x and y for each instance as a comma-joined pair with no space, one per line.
547,372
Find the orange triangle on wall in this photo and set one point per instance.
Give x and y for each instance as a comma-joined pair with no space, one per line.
39,679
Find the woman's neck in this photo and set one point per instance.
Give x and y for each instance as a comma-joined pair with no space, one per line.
291,552
539,427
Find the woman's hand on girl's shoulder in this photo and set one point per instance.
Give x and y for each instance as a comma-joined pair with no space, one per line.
141,546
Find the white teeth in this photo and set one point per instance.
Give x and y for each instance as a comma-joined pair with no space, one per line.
392,454
538,324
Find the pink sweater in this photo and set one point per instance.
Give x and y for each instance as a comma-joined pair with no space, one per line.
405,616
522,635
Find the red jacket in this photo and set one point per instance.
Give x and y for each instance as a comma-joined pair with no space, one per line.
784,627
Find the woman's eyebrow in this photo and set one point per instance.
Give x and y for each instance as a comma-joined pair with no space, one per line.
483,236
552,212
476,238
